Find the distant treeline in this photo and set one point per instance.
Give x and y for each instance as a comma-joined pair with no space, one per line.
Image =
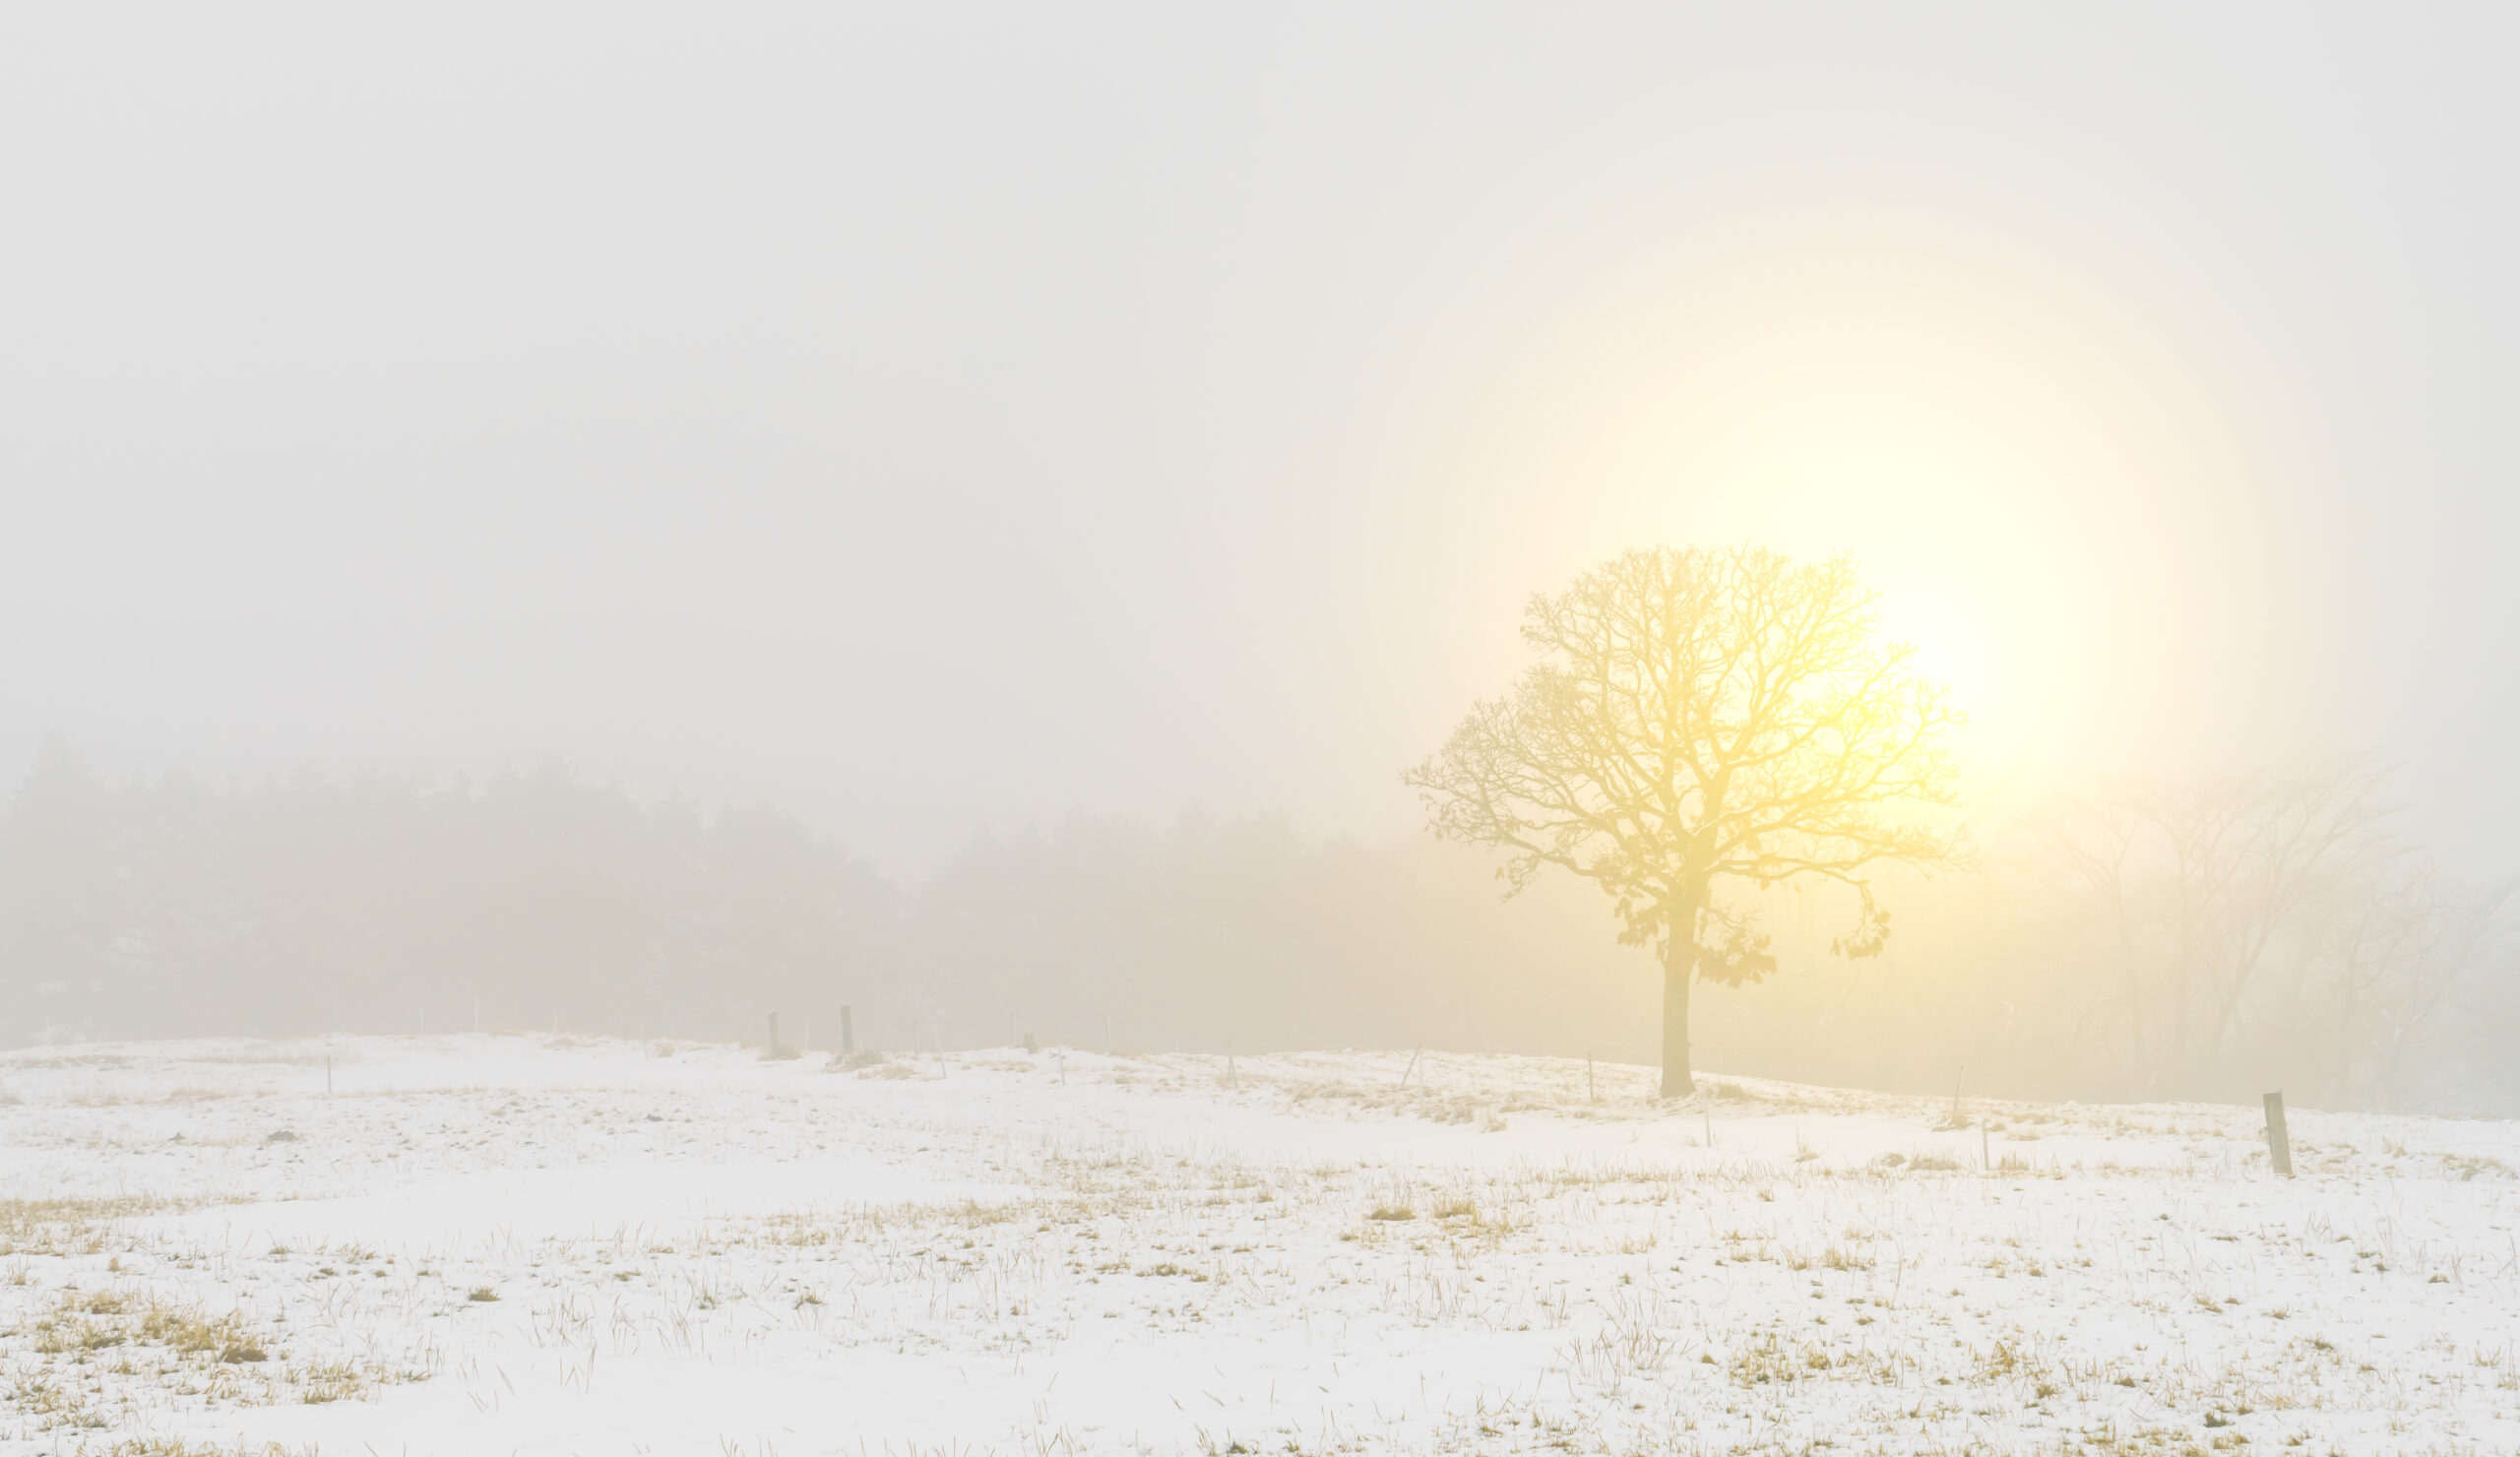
539,900
2205,941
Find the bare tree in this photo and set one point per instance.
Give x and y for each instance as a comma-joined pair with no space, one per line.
2388,957
1696,719
2211,896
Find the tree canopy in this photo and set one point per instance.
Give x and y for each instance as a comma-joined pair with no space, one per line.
1702,717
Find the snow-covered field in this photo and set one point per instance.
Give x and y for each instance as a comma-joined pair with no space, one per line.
521,1245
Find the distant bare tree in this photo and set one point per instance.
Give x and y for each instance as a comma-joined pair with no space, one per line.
2388,961
1698,717
2271,911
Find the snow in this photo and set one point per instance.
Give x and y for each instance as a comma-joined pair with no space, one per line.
712,1252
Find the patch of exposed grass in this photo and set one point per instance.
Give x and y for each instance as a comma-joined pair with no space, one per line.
69,1227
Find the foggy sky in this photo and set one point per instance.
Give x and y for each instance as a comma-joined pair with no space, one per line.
939,418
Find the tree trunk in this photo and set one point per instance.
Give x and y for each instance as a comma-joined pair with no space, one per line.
1680,961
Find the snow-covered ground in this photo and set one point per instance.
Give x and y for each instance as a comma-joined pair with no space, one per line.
522,1244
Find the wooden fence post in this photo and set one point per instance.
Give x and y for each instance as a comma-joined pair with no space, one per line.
2279,1139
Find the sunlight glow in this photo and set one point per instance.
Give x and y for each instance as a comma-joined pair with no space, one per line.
2005,467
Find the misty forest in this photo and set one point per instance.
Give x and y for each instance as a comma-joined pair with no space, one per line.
975,730
2133,942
